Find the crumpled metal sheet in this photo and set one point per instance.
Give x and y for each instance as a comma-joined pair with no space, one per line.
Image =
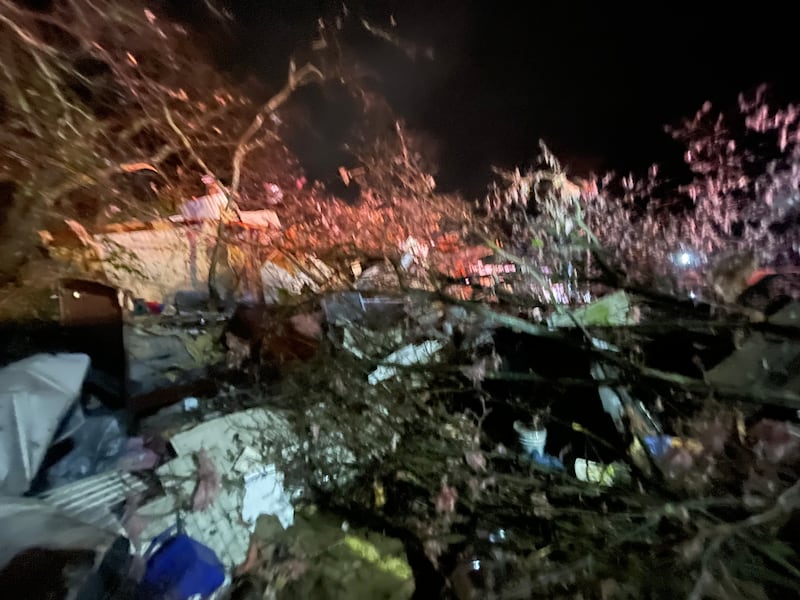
35,395
33,523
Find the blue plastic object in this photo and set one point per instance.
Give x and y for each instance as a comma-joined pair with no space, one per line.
546,460
180,567
658,445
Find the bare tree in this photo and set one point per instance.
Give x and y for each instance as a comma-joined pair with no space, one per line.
109,104
742,201
738,212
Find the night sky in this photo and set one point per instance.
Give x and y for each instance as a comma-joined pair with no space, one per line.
595,80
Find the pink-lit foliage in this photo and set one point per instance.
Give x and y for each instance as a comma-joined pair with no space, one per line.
742,199
111,110
539,216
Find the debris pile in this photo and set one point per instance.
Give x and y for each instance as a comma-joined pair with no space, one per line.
559,391
388,437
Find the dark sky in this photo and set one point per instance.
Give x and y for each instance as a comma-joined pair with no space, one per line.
597,81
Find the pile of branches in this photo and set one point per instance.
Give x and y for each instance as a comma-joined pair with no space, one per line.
738,198
431,455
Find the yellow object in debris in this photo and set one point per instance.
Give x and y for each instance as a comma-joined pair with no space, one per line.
593,472
368,552
639,456
741,428
380,493
689,444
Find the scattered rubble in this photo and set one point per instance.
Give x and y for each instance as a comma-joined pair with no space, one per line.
437,419
535,395
413,416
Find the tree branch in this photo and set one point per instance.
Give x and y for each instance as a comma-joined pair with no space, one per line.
296,79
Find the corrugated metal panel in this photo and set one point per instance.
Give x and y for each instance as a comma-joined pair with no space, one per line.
93,499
